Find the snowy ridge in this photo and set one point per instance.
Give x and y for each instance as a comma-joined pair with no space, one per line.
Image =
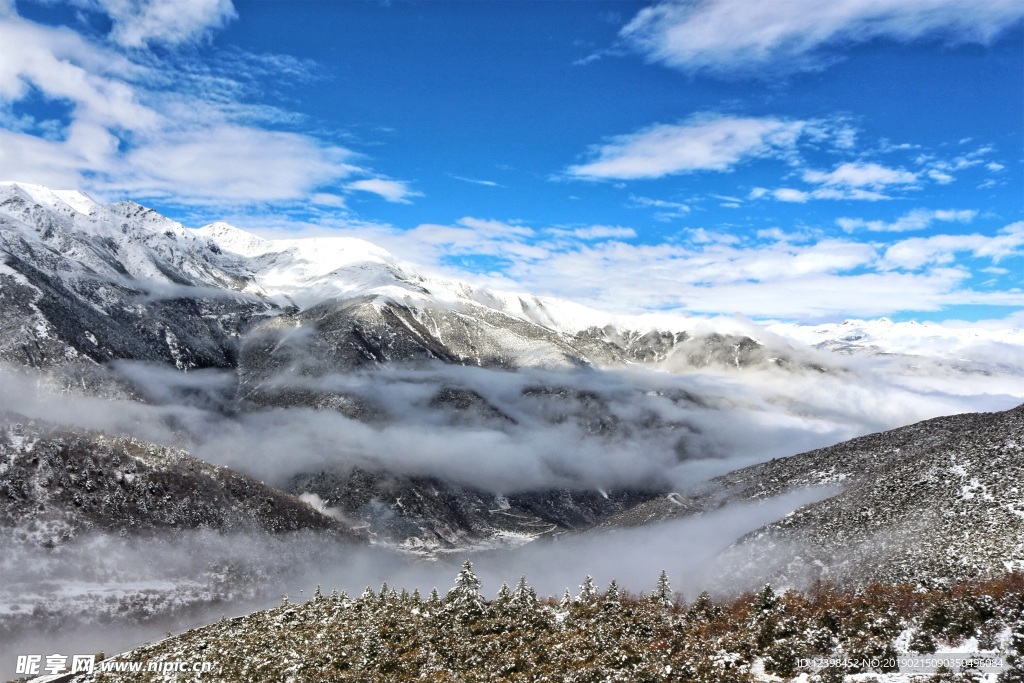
308,271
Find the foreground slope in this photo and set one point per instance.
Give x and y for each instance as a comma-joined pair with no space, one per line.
597,636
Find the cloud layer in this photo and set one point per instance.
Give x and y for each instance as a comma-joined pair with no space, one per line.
737,36
169,125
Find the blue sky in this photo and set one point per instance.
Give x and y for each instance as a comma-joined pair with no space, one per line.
798,160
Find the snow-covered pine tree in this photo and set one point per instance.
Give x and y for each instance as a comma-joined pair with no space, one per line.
588,593
611,596
464,599
663,591
524,598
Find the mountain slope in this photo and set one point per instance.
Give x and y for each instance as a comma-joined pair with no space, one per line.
938,499
56,484
120,282
947,505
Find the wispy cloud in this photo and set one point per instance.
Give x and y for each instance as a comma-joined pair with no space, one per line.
477,181
858,175
599,232
918,219
706,142
666,210
161,124
170,22
738,36
391,190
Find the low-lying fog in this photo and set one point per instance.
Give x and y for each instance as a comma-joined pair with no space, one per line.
529,430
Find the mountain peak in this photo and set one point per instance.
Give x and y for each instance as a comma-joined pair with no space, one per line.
235,240
59,200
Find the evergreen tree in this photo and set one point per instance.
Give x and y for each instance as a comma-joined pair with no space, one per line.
663,591
766,602
611,596
524,597
566,601
703,609
464,598
588,593
372,649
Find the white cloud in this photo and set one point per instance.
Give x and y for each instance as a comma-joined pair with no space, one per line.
597,232
391,190
139,127
703,143
141,23
782,274
855,174
786,35
476,181
918,252
703,236
233,163
918,219
940,177
785,194
666,210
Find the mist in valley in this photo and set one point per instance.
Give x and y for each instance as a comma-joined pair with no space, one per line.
510,431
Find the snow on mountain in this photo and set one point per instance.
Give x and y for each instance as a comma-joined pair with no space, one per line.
936,499
909,338
118,282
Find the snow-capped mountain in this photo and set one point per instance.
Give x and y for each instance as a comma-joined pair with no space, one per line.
118,282
127,275
884,336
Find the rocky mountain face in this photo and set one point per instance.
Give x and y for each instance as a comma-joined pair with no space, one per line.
429,515
939,499
120,282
